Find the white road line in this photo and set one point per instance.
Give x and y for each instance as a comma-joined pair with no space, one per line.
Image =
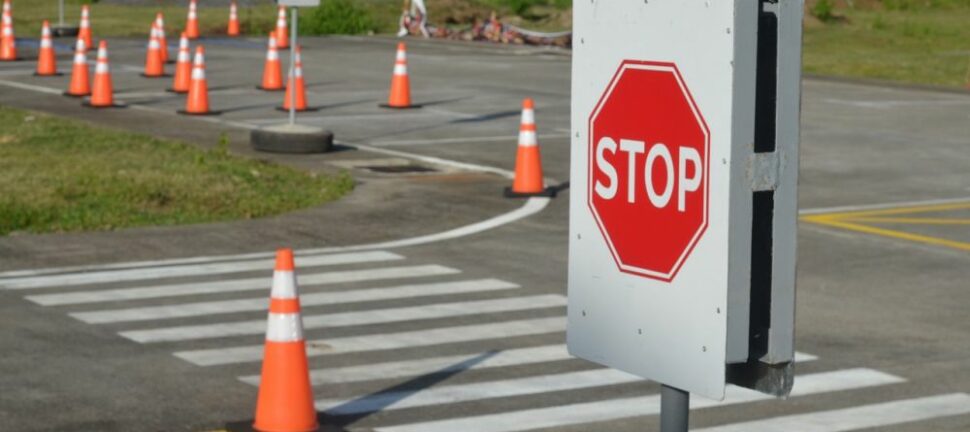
386,341
426,366
477,391
614,409
314,299
225,286
31,87
861,417
510,138
881,206
65,280
349,319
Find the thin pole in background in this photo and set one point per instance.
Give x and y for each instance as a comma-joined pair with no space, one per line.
292,82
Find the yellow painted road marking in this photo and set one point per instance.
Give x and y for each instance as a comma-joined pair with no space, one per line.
912,221
898,211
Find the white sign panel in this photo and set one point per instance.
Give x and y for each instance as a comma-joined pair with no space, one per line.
663,103
299,3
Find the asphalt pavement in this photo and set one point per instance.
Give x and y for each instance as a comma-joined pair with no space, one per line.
432,303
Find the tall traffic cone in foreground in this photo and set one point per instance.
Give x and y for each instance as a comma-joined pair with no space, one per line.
154,66
183,68
160,35
8,42
197,102
233,29
400,96
80,81
285,401
295,84
102,92
272,72
84,31
282,35
528,164
192,22
46,62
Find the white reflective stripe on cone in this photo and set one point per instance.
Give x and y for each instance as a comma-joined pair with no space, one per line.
401,55
198,73
101,68
528,116
184,56
528,139
400,69
284,328
284,285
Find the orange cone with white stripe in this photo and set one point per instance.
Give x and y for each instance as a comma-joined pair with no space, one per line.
192,21
102,92
282,34
272,71
84,32
528,164
295,83
160,35
46,61
233,29
285,401
183,67
154,66
400,96
80,81
197,102
8,42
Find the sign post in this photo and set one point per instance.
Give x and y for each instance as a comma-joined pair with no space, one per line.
682,222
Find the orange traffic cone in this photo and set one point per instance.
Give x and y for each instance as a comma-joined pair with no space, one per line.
197,102
183,68
295,83
8,42
85,28
162,41
102,92
154,66
46,62
528,164
272,75
282,35
192,22
285,401
233,29
400,96
80,81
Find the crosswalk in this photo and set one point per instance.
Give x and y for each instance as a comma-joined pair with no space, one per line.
420,344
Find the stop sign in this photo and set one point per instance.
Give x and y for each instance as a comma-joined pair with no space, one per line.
649,150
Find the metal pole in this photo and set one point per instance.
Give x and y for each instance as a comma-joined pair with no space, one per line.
293,66
61,13
674,409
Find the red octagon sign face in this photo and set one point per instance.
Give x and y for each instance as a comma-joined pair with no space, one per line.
649,154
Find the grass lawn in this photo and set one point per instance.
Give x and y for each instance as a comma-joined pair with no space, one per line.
927,45
63,175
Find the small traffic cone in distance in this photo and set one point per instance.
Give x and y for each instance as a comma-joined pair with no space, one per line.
80,81
84,31
197,102
295,83
528,180
154,67
272,71
233,28
160,35
192,22
282,34
285,401
46,58
400,96
183,68
102,92
8,42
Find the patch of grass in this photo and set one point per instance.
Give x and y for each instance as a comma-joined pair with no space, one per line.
916,41
337,17
63,175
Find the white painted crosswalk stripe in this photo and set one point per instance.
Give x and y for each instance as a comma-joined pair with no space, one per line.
862,417
386,341
313,299
613,409
127,275
236,285
347,319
